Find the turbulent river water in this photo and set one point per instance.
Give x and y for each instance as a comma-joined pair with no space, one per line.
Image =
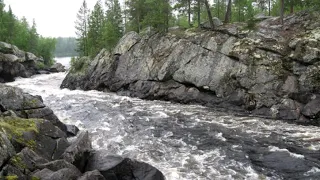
183,141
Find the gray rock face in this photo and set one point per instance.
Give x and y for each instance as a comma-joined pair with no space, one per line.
17,63
57,67
62,174
26,105
6,149
115,167
78,152
92,175
254,70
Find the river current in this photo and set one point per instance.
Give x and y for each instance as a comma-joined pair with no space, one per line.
184,141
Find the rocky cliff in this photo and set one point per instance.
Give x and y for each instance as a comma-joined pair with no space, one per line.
34,145
268,70
17,63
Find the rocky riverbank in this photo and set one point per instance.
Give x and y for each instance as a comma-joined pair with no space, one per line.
17,63
34,144
267,69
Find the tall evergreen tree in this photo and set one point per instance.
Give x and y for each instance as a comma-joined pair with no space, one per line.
81,26
33,38
136,11
95,32
10,25
113,28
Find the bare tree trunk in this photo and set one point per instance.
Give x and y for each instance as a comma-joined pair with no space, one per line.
228,13
199,9
281,11
291,7
239,12
209,13
218,4
189,13
269,7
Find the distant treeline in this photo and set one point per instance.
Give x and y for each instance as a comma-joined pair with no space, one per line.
18,32
65,47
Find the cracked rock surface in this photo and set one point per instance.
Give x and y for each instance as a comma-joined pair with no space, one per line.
271,71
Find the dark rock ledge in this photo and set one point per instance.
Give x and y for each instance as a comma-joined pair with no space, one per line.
34,145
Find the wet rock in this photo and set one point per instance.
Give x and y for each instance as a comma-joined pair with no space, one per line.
92,175
6,149
15,62
43,72
15,99
26,105
12,171
102,161
283,163
26,160
312,109
48,129
72,130
115,167
62,174
57,165
57,67
78,152
61,145
44,173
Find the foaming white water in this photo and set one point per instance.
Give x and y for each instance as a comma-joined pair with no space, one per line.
184,141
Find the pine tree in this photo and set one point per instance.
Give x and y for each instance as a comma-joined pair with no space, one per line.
81,26
33,38
10,25
136,12
95,32
113,29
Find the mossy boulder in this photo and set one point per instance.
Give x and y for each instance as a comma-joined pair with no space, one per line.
26,105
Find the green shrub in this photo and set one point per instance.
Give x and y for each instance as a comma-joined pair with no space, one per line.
79,64
40,65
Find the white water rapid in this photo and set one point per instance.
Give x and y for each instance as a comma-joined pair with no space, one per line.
183,141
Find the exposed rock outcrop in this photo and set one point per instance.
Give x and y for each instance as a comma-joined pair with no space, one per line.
17,63
271,71
34,145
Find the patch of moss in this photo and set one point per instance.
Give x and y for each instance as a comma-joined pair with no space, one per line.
14,127
30,103
35,178
40,65
18,162
12,177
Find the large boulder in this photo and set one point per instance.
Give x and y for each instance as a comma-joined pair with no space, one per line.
92,175
78,152
17,63
57,67
26,105
115,167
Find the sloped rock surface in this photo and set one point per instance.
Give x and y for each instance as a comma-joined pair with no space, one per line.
254,71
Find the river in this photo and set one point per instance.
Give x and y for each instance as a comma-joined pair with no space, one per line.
184,141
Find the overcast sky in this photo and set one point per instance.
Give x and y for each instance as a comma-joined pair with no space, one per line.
53,17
